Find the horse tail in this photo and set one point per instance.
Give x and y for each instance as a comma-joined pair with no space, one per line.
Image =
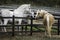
48,21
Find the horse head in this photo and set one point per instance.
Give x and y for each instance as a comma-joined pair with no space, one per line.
21,10
40,13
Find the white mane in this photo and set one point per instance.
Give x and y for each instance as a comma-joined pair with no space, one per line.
43,11
21,9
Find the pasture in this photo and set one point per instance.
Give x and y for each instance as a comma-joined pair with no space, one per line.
35,36
37,32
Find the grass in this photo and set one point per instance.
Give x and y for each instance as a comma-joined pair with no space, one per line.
42,29
35,36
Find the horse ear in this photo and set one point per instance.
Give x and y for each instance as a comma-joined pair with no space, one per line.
29,4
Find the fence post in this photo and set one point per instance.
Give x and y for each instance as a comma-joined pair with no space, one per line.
26,29
58,25
13,25
22,30
31,26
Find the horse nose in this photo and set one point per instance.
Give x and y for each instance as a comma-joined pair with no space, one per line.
34,16
34,13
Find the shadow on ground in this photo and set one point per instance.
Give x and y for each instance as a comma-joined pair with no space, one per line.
35,36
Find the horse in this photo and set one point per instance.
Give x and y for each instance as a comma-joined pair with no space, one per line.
48,20
19,12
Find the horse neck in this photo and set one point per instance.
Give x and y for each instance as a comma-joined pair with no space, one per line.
20,8
45,14
19,12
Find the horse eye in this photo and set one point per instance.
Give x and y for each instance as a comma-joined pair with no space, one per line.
35,13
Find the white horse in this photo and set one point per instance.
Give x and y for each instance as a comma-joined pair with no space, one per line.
48,20
19,12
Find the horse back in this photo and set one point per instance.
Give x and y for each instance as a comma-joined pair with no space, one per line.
51,19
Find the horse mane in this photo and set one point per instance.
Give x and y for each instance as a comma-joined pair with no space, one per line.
21,6
44,11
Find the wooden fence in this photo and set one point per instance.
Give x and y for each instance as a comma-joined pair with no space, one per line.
31,24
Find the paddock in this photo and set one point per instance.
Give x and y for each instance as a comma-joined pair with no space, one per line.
31,31
31,26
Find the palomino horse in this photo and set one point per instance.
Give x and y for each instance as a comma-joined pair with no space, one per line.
19,12
48,20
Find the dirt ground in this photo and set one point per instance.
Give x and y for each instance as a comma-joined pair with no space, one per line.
35,36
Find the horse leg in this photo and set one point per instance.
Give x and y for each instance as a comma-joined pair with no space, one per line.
49,31
45,31
1,24
19,24
5,23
